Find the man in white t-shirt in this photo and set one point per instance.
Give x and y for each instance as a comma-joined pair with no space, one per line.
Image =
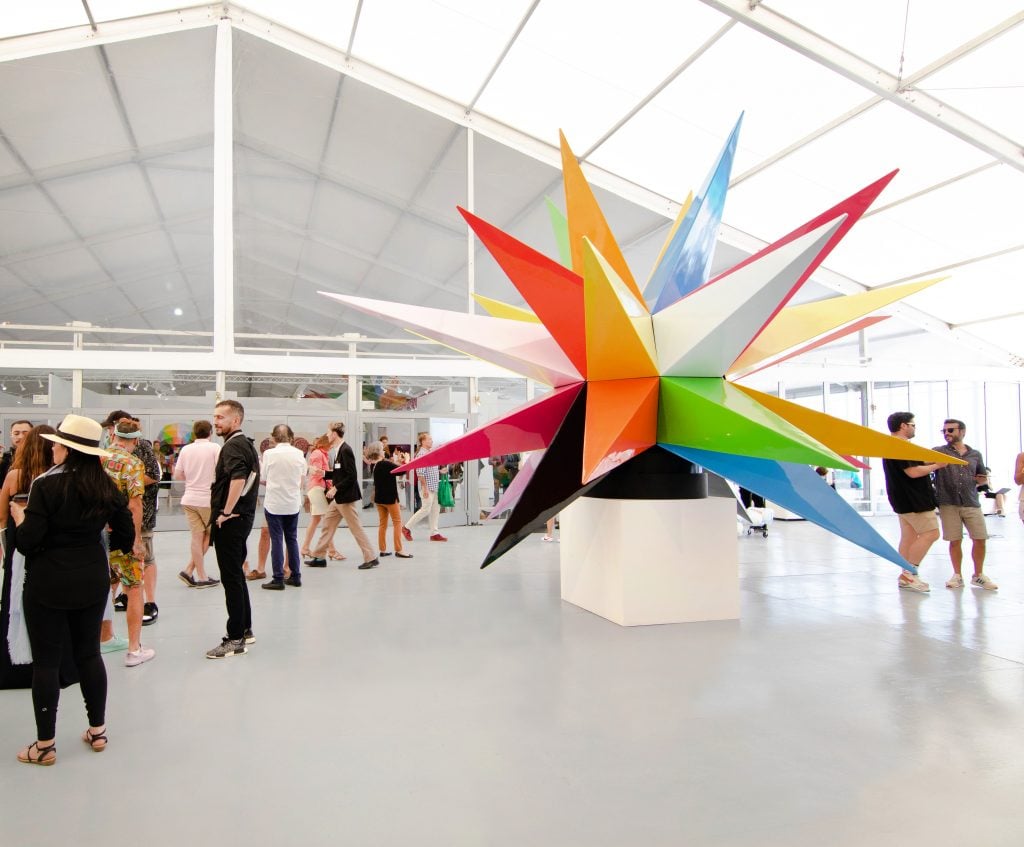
196,465
283,468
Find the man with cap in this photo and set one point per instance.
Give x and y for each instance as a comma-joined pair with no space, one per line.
128,474
144,451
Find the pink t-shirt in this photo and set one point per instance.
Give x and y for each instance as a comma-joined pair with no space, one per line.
318,466
197,464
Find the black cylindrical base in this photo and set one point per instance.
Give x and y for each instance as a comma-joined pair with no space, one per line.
656,474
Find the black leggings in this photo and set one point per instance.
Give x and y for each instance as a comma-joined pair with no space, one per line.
47,630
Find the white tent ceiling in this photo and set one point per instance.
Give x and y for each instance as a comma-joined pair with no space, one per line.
106,151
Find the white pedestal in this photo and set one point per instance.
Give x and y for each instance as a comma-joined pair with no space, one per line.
639,562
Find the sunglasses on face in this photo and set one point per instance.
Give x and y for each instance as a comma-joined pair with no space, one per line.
951,430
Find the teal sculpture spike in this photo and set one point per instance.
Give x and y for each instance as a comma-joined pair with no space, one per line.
686,262
561,229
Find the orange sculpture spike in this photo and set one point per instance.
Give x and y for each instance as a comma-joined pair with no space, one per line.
622,421
587,220
553,291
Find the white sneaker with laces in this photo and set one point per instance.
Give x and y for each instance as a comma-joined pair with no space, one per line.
909,582
980,580
955,581
143,654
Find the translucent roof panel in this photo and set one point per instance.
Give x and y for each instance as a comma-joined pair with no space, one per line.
106,196
673,142
354,192
990,289
430,33
826,170
987,84
579,71
881,31
935,230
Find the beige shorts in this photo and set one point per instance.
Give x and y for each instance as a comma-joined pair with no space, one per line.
198,518
147,548
955,518
317,501
919,522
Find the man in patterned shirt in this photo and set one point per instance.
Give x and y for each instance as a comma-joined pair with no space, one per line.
144,451
128,474
956,490
428,479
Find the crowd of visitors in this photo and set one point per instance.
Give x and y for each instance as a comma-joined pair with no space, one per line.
78,508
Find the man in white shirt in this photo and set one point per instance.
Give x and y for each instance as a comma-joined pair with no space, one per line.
283,468
196,465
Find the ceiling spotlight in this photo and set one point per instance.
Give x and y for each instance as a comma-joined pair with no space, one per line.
173,388
3,386
145,387
40,382
21,385
117,387
178,312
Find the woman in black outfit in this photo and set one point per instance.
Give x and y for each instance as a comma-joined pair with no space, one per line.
67,576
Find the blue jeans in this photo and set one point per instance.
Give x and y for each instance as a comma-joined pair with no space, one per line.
284,529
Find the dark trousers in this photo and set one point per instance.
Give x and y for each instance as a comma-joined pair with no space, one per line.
284,530
47,631
229,543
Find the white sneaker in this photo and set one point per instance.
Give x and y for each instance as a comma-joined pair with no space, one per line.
547,538
980,580
955,581
143,654
909,582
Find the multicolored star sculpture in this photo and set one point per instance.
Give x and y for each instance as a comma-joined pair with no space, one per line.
632,368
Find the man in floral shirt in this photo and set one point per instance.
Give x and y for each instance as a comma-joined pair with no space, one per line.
128,474
144,451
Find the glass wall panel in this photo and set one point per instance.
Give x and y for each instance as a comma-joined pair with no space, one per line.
810,396
106,217
929,401
966,403
1002,430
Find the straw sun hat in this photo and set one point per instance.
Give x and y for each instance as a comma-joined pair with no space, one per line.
81,434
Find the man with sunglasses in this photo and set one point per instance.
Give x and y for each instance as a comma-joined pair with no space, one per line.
956,489
908,486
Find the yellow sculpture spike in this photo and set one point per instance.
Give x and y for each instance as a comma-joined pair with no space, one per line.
587,220
845,438
797,324
671,233
620,333
497,309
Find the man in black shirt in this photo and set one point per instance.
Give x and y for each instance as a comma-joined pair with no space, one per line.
19,429
908,486
232,511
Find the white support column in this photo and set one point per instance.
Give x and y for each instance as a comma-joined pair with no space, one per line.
470,238
76,390
223,199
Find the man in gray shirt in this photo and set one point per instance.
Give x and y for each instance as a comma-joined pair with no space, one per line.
956,491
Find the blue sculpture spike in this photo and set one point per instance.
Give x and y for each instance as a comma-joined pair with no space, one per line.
799,489
687,259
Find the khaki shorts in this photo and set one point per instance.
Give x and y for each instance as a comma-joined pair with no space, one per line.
317,501
198,518
919,522
955,518
147,548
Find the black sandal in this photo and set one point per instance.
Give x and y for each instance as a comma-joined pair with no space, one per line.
41,755
92,740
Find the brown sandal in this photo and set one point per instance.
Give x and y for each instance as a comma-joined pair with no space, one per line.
98,742
44,755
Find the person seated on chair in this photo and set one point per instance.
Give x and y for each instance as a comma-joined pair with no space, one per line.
999,496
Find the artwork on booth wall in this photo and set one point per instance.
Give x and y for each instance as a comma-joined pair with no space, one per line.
633,366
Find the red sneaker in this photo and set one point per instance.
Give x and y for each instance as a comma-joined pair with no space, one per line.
437,537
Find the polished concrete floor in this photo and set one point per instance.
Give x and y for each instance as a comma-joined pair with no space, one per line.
429,703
